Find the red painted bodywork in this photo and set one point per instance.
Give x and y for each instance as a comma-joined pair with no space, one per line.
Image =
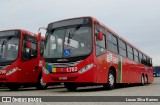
131,72
26,73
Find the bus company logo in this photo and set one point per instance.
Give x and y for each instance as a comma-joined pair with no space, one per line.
111,58
62,60
6,99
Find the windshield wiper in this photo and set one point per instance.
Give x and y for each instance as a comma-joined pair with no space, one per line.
71,34
47,36
3,43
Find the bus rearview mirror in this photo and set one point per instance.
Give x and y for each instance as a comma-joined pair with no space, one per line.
100,36
28,45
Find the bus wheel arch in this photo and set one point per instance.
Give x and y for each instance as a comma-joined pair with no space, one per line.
13,86
146,79
111,80
112,68
70,86
40,84
142,79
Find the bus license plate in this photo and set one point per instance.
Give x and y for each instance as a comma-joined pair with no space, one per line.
62,78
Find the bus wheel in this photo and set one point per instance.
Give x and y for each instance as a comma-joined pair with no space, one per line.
142,80
146,79
70,86
111,81
13,87
155,75
40,84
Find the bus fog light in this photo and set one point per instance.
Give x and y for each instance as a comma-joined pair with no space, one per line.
45,70
86,68
12,71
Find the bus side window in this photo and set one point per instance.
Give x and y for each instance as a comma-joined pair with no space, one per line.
136,57
29,53
100,45
144,60
122,48
112,43
140,57
130,52
151,62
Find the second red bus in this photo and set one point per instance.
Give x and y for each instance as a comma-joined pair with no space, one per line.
21,59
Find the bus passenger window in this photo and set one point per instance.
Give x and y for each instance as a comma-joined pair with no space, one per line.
112,43
122,48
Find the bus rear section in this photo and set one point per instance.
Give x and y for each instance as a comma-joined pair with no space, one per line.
81,51
21,59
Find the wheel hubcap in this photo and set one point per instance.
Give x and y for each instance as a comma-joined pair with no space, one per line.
42,83
111,79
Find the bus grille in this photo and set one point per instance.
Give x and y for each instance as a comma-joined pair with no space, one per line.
70,64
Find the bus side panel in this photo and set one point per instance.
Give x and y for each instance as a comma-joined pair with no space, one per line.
134,73
101,70
150,75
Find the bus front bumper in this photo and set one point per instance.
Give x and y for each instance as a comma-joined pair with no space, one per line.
8,79
87,77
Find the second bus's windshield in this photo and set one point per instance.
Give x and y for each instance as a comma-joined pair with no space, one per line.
69,42
8,48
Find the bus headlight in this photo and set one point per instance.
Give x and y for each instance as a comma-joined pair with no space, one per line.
5,67
45,70
86,68
12,71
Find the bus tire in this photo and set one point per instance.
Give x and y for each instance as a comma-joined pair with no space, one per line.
156,75
13,87
142,80
40,84
70,86
146,79
111,81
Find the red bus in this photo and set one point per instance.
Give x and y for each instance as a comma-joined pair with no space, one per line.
82,51
21,59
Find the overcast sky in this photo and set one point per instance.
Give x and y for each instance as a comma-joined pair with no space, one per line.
138,21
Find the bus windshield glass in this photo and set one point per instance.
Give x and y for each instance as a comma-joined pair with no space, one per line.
8,47
72,41
157,68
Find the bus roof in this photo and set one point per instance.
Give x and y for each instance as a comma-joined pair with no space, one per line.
26,32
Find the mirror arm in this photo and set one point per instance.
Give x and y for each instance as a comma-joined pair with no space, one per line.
41,28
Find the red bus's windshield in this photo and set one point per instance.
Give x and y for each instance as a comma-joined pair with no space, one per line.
69,42
8,48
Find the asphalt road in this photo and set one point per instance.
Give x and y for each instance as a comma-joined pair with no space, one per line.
59,90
